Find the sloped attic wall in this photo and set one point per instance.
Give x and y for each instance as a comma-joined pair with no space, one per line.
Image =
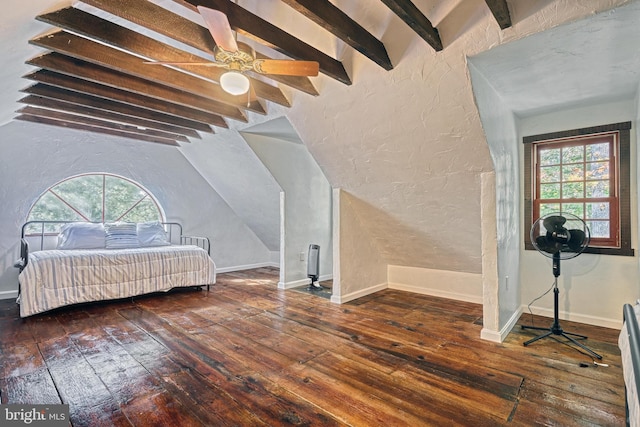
230,166
305,204
35,157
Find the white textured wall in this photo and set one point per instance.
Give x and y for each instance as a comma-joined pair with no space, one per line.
35,157
307,205
233,170
500,130
358,268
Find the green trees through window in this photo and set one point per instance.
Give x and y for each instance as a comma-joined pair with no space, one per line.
96,198
575,178
584,172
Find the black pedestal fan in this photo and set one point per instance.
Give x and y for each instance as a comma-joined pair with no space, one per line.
559,237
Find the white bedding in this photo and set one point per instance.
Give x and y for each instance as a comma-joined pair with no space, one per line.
54,278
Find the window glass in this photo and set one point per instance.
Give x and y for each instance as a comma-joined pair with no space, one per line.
95,198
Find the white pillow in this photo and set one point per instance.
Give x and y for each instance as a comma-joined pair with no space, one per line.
121,235
81,235
152,234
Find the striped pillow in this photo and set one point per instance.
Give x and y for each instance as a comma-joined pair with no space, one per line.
121,235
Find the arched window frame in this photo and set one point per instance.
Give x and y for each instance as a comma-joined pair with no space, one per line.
147,195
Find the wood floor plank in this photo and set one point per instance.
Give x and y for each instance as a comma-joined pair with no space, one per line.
383,361
248,353
350,403
35,387
77,382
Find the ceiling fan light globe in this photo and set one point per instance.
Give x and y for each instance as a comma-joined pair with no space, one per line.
234,83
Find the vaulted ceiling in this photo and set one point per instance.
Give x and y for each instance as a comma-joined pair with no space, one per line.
93,72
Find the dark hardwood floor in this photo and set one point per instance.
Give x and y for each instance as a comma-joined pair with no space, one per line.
246,354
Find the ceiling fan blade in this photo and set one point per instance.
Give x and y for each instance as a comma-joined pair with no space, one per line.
576,239
286,67
203,64
219,27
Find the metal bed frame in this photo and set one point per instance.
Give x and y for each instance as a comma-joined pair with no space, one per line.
173,229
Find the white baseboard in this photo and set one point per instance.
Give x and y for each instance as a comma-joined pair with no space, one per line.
294,283
499,336
302,282
341,299
247,267
477,299
9,294
322,278
576,317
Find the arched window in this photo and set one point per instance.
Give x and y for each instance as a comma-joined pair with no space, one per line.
96,198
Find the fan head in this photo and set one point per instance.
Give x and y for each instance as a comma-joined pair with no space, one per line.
564,235
230,56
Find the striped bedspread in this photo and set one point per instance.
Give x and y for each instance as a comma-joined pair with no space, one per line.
54,278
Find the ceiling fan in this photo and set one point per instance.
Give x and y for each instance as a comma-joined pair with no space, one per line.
229,56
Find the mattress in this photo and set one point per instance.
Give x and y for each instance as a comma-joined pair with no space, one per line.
55,278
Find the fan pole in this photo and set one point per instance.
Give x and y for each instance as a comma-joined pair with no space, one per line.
555,328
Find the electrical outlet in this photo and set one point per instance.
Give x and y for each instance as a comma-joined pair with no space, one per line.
301,256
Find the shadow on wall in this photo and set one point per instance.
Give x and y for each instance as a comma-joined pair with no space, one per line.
419,249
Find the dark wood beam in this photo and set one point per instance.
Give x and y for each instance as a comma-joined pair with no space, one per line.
71,83
328,16
95,28
95,129
99,123
95,73
97,53
83,110
82,100
258,29
412,16
169,24
500,11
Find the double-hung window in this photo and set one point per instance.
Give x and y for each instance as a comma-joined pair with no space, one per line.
584,172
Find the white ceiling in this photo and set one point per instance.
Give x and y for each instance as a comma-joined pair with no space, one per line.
590,60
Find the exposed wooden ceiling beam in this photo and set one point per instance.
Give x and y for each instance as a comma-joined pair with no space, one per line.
257,28
500,11
84,70
99,123
96,53
412,16
325,14
41,90
95,129
162,21
95,28
59,80
59,105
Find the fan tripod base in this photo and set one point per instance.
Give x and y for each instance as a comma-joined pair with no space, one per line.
556,329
